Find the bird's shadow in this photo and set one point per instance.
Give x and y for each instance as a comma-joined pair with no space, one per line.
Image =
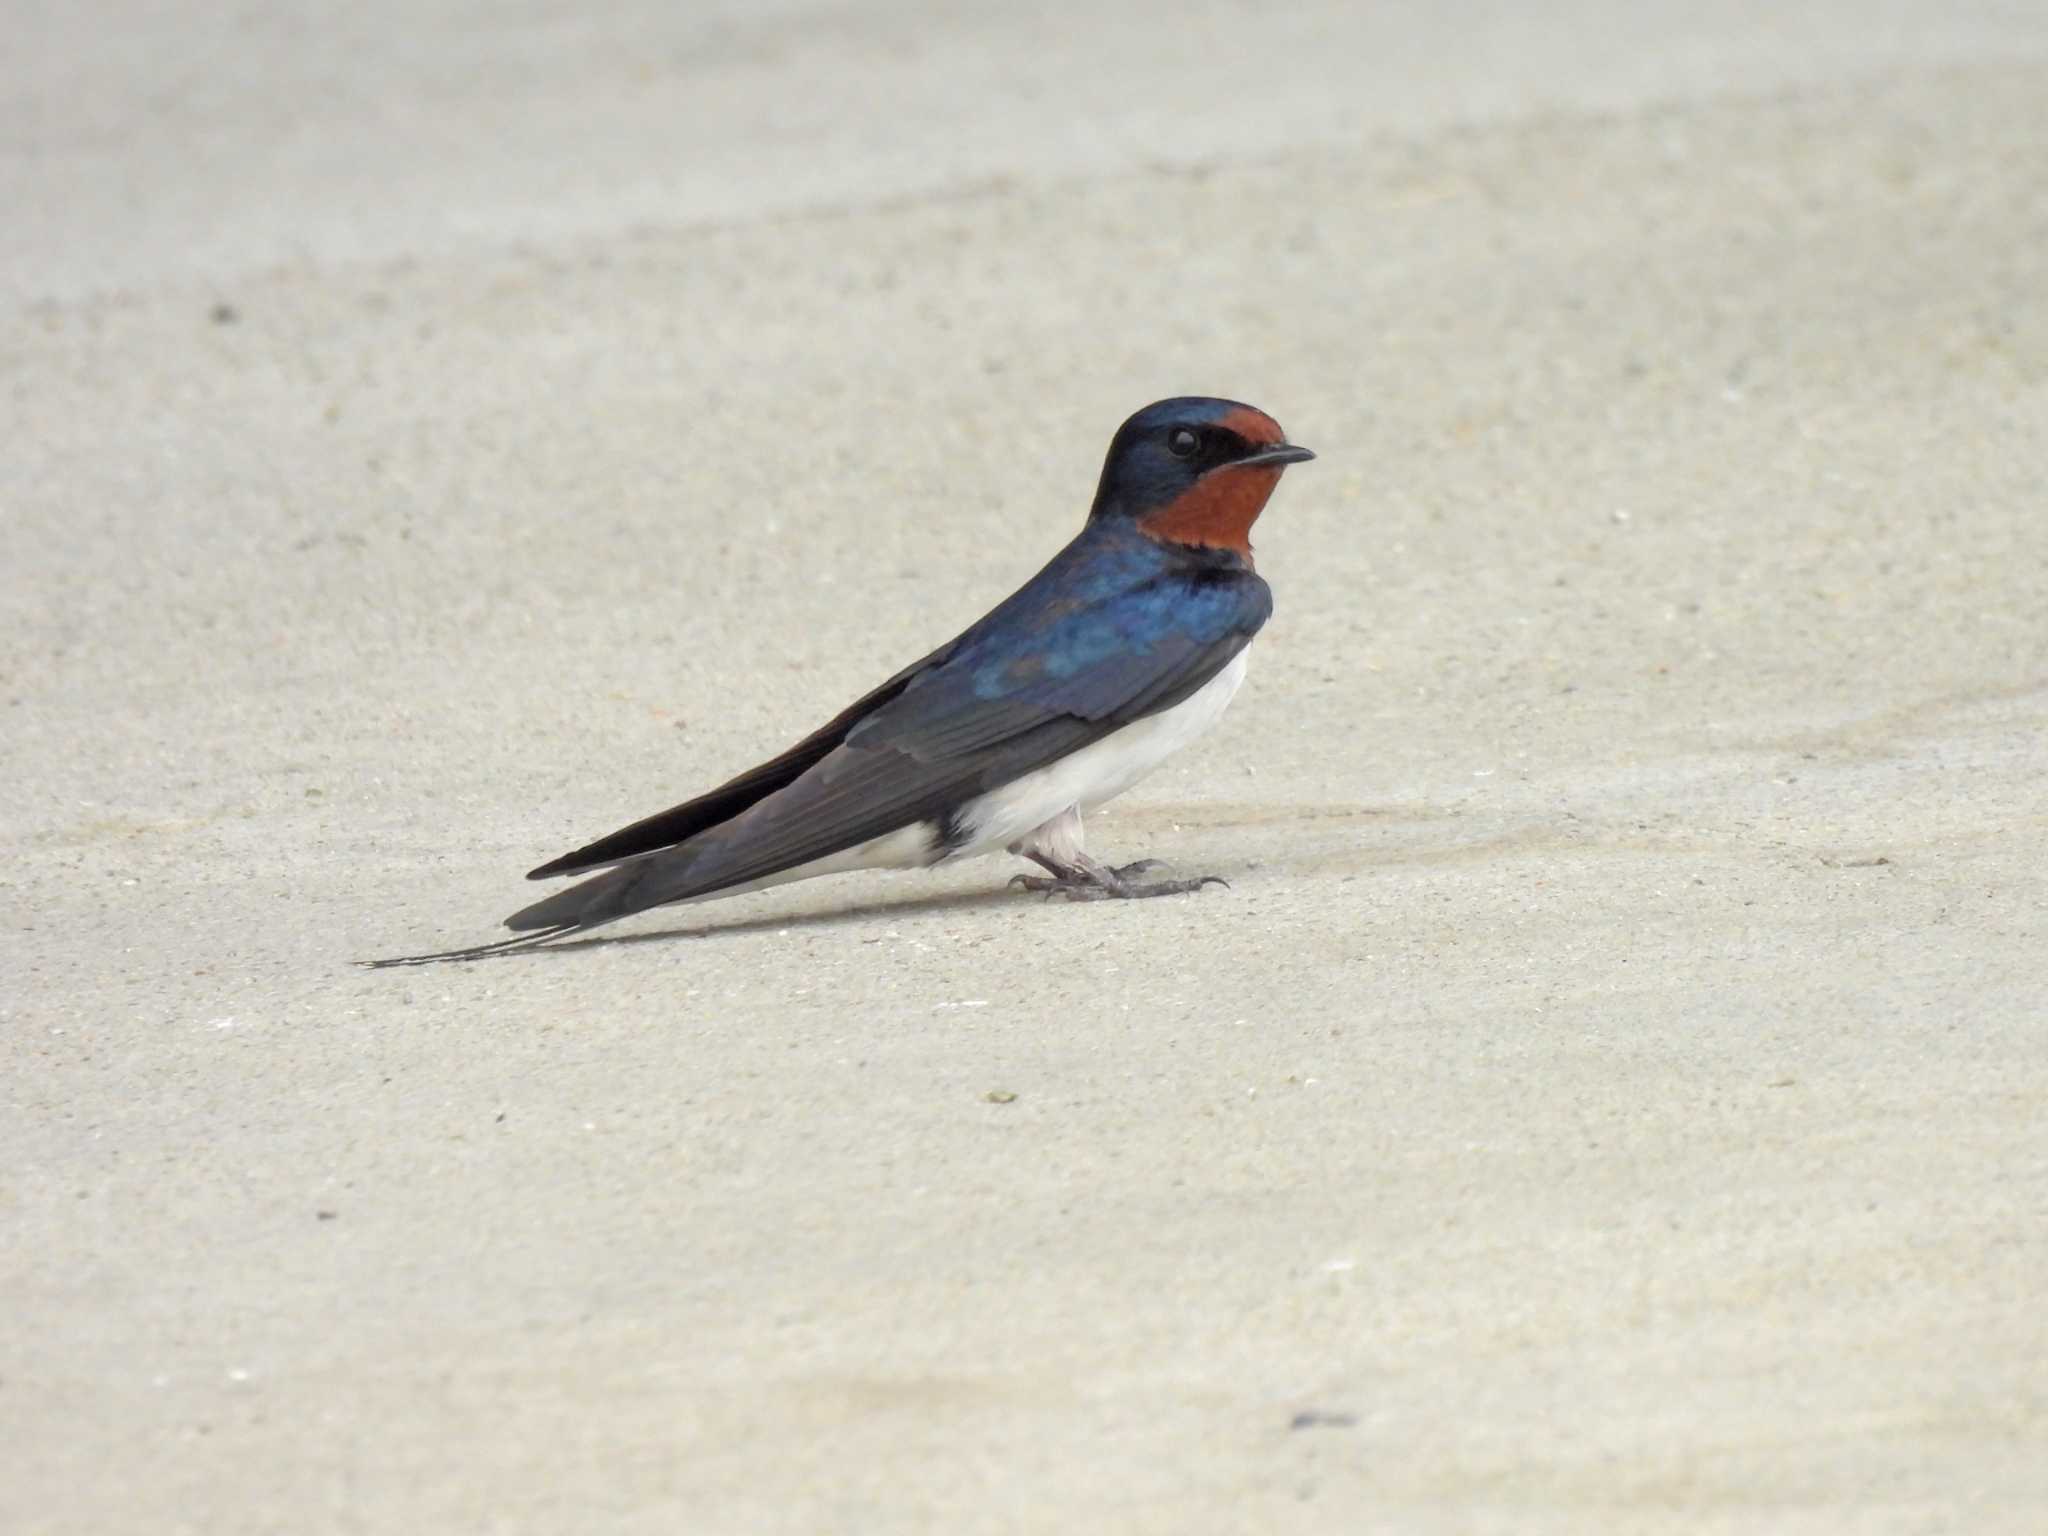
834,917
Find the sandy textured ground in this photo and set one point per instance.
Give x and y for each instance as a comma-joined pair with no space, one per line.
1611,1096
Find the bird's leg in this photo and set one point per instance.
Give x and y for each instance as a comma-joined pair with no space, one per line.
1084,879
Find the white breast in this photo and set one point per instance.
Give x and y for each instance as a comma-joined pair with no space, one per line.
1098,772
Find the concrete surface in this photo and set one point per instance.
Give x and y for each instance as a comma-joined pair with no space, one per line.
1610,1097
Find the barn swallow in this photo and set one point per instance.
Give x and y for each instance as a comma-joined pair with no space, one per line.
1127,646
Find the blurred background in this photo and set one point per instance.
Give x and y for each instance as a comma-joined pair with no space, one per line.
148,139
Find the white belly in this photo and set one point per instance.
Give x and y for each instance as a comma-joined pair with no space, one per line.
1098,772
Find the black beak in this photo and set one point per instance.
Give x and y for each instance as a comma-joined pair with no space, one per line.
1278,454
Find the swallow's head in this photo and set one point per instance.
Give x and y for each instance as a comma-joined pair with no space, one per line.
1194,472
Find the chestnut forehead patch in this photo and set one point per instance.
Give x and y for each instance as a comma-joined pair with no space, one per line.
1253,425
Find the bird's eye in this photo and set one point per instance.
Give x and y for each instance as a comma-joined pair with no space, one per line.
1182,442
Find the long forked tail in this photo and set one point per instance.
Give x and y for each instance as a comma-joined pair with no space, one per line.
591,903
631,887
475,952
588,904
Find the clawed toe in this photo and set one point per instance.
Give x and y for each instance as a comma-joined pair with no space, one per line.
1049,886
1132,871
1103,884
1174,887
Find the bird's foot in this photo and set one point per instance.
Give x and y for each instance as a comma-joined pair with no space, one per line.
1099,882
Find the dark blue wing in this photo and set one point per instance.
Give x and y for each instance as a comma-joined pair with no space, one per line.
1114,637
679,823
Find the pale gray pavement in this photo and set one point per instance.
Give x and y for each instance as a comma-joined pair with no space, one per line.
1613,1089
